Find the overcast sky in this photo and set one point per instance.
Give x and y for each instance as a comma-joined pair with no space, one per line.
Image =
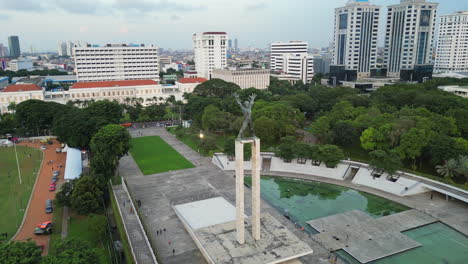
171,23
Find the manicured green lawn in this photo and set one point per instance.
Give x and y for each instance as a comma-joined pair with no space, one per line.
83,228
14,196
154,155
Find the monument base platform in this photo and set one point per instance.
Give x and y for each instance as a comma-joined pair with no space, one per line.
218,243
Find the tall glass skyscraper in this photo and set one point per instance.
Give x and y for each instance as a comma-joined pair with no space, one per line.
13,43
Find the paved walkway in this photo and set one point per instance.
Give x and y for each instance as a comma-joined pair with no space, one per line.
159,192
36,211
135,233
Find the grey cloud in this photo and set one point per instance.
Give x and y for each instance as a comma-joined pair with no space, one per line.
256,7
175,17
148,5
122,7
83,7
4,17
23,5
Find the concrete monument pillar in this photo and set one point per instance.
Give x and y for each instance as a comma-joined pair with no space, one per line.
256,164
240,191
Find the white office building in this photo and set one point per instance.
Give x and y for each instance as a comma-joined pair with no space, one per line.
279,49
21,63
62,49
452,45
409,37
210,52
70,46
355,39
290,61
116,62
245,78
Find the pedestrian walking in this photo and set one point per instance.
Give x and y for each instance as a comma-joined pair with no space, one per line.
173,251
432,195
169,242
164,229
124,203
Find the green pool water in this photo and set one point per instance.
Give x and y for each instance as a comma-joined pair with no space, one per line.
302,201
440,245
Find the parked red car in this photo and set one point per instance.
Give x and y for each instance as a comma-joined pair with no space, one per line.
52,187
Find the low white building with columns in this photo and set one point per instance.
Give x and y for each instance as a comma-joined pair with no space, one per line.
245,78
18,93
120,90
149,90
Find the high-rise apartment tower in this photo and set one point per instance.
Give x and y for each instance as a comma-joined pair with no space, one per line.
210,52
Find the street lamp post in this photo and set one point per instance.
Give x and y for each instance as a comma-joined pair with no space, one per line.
201,136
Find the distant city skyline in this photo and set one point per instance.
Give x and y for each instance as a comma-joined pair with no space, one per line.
170,24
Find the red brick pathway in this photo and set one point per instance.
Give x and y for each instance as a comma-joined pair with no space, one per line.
36,211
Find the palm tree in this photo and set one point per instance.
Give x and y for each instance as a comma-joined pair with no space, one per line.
449,169
463,166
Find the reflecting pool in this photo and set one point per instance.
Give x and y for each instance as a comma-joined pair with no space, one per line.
302,201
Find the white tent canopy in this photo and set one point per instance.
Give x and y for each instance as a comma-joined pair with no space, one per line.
73,166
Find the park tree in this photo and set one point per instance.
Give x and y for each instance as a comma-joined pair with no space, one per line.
208,143
72,251
385,161
230,147
279,87
108,145
412,143
302,152
314,154
213,119
265,129
35,117
7,123
76,127
111,112
321,128
442,148
449,169
344,133
331,155
287,119
154,112
376,138
16,252
196,106
286,149
216,88
86,197
63,197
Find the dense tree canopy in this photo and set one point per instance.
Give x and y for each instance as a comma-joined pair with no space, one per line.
72,251
216,88
20,252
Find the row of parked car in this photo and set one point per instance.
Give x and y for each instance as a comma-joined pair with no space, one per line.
45,228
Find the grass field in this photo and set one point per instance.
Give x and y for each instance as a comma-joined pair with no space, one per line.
14,196
154,155
85,228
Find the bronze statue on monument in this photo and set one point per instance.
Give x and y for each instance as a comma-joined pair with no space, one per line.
247,112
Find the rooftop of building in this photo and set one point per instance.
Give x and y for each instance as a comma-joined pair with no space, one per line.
22,88
192,80
214,33
106,84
